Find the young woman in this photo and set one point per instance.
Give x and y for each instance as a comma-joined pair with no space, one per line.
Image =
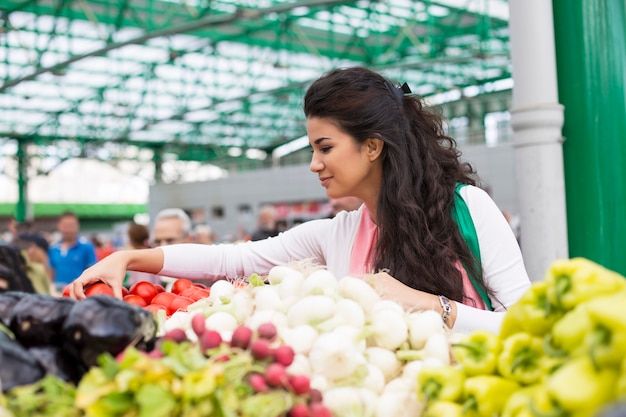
433,239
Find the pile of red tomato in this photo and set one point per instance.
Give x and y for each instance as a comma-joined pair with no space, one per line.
153,297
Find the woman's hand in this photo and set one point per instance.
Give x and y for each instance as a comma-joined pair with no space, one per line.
110,270
390,288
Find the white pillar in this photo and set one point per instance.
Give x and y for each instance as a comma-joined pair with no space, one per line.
537,120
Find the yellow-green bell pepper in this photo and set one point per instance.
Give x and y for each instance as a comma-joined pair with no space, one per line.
533,313
573,281
487,394
443,409
518,404
478,352
568,334
520,359
440,383
578,388
606,340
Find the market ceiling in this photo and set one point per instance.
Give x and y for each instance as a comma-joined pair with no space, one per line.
219,80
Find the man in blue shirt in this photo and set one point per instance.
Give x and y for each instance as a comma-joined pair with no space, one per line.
73,254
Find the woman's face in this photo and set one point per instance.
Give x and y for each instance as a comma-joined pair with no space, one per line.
344,167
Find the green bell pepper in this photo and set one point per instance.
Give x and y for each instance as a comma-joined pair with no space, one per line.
440,383
573,281
580,389
487,394
520,359
478,352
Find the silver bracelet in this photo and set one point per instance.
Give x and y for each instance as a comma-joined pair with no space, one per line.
446,307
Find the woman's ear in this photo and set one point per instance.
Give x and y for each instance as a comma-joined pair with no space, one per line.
374,148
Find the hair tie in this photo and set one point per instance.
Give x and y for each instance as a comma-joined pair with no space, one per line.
398,92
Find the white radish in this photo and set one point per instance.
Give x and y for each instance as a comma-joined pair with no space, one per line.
392,404
388,329
347,313
400,385
320,281
242,305
300,338
221,289
221,322
300,366
267,298
278,273
266,316
385,360
437,347
422,325
312,309
387,305
359,291
350,402
375,380
333,356
291,287
412,369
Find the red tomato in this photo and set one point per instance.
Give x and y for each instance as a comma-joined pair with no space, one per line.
99,288
66,291
180,285
199,285
164,298
135,300
196,293
125,291
145,290
179,303
159,288
154,308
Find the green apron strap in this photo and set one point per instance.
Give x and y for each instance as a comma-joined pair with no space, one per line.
462,217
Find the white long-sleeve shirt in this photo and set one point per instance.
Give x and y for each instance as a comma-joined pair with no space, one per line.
329,242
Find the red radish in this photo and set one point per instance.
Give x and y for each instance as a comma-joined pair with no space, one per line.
300,384
210,339
261,349
284,355
276,375
319,410
315,396
197,324
299,410
267,331
241,337
155,354
257,382
177,335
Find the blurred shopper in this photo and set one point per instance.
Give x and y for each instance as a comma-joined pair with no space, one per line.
103,248
171,225
72,254
204,235
34,251
266,223
139,238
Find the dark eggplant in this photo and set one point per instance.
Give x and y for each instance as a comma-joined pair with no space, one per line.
100,324
8,299
38,319
57,361
17,366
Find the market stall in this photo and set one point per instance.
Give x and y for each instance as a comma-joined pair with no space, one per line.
300,342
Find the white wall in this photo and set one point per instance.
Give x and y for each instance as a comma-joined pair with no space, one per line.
495,166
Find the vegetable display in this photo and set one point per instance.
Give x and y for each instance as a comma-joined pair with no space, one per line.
299,342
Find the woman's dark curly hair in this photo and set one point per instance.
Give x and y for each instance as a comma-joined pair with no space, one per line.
418,240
